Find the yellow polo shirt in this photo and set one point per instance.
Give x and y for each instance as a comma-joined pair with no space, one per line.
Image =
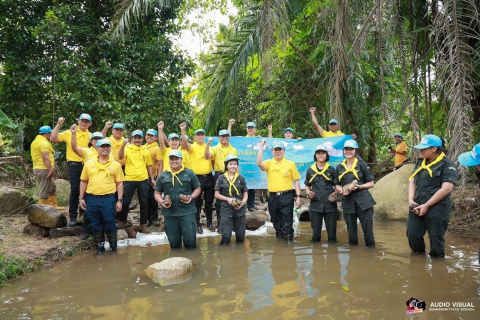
101,182
164,156
92,153
399,158
327,134
280,175
116,145
83,138
137,160
220,153
197,155
153,149
39,145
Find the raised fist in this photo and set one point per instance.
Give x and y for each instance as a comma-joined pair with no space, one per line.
231,121
160,125
183,125
61,120
73,128
313,109
109,124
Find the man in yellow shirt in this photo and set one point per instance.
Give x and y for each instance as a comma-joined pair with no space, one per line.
281,174
43,167
219,154
400,152
74,162
154,150
101,178
203,169
138,176
332,126
116,139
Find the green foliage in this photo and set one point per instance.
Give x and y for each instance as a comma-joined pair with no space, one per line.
11,268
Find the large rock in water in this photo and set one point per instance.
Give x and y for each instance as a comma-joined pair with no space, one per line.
391,195
171,271
13,201
253,222
63,191
46,216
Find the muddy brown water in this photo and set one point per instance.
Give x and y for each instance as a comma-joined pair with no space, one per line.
263,278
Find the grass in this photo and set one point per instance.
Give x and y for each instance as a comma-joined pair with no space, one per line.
11,268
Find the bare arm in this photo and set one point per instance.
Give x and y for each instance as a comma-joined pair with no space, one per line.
150,175
365,186
56,130
315,121
118,205
260,155
160,166
83,188
298,191
185,143
78,151
108,125
208,155
161,135
121,152
47,163
230,124
270,128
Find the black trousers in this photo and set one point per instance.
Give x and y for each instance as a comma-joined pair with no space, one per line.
366,221
232,220
208,192
436,227
281,211
152,204
316,221
74,172
129,188
251,199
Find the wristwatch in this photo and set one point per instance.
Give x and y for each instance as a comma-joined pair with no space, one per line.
119,200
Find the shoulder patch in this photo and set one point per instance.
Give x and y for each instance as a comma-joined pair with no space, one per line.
452,168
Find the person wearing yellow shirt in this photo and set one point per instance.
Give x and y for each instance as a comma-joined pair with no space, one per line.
138,176
43,167
74,162
400,152
174,142
219,154
332,126
281,175
203,169
86,153
101,178
154,150
116,139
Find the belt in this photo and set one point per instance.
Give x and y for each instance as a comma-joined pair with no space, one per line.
100,196
280,193
219,172
74,163
204,175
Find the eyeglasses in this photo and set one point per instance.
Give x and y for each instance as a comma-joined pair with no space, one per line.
105,146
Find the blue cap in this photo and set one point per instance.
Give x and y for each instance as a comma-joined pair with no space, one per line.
351,144
175,153
429,140
229,157
278,144
471,158
199,131
334,121
399,135
173,135
85,116
97,135
288,129
101,142
188,138
224,133
45,129
153,132
321,147
118,126
251,124
137,133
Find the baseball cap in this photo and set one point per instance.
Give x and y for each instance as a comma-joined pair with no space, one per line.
118,126
278,144
45,129
97,135
399,135
153,132
173,135
429,140
137,133
251,124
334,121
175,153
199,131
321,147
288,129
471,158
351,144
224,133
101,142
85,116
230,156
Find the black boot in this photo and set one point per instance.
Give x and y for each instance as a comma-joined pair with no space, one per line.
208,213
217,213
99,240
197,217
112,239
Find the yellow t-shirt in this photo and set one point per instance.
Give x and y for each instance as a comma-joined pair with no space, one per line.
39,145
101,183
1,140
327,134
220,153
199,164
137,160
116,145
164,156
280,175
92,153
83,138
399,158
153,149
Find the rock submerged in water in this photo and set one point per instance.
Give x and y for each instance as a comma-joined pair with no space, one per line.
171,271
254,222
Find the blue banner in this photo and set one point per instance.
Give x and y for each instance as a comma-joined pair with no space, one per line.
301,152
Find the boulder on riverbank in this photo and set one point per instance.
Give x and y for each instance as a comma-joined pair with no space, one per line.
46,216
171,271
391,195
63,191
13,201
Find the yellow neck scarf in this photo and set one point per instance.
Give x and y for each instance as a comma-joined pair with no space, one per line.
232,183
102,166
117,143
151,145
317,173
347,170
427,167
174,175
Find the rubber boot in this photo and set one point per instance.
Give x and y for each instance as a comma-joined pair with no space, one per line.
197,218
43,201
217,212
208,213
99,240
144,229
112,239
54,202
